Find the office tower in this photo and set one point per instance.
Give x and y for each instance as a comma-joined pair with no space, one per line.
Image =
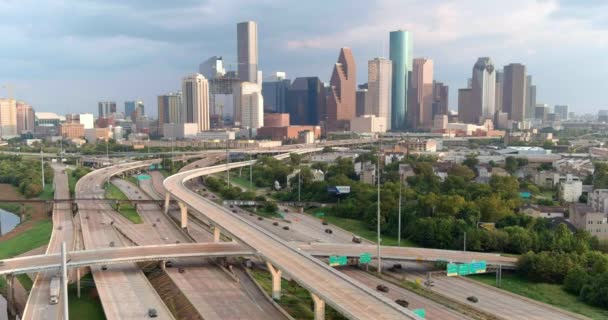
132,107
483,94
222,98
8,118
530,98
441,94
25,118
306,101
420,105
251,105
361,100
341,103
129,109
140,108
500,75
275,93
561,111
106,108
379,83
212,68
195,106
466,112
401,53
514,91
541,112
169,108
247,51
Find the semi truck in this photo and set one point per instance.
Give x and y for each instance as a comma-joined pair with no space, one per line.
54,290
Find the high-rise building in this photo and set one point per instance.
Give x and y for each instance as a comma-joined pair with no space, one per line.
379,83
251,105
8,118
514,91
466,112
541,112
306,101
169,106
420,104
441,94
212,68
106,108
247,51
222,98
500,75
134,106
129,109
561,111
25,118
275,93
530,98
195,106
401,53
483,92
341,101
361,99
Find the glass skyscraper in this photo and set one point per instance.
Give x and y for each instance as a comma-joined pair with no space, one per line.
401,52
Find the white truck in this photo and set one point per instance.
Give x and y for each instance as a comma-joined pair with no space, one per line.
54,290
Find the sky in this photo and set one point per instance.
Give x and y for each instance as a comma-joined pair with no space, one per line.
66,55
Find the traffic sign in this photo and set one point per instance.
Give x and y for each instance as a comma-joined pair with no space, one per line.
320,214
452,269
464,269
338,261
365,257
420,312
478,267
143,177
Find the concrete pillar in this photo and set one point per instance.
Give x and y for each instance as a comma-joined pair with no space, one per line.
167,198
78,283
162,265
184,215
216,234
10,293
276,281
319,307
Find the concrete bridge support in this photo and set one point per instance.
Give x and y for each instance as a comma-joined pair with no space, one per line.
10,294
167,199
276,281
216,234
319,307
184,215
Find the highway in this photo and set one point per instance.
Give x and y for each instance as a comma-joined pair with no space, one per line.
124,290
38,306
347,296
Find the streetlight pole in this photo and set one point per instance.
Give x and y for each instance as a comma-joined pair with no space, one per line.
399,223
378,208
250,172
42,165
299,185
227,162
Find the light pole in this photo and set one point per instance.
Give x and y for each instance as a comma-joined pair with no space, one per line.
250,172
227,162
299,185
399,221
42,165
378,209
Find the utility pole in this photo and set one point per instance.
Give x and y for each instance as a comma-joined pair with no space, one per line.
378,209
64,281
464,245
227,162
399,223
42,165
250,172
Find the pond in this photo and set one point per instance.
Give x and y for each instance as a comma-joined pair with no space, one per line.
8,221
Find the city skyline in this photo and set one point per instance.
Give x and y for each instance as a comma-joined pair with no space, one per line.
50,77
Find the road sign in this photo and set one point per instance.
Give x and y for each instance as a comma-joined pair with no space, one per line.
452,269
320,214
143,177
339,189
478,267
338,261
420,312
365,257
464,269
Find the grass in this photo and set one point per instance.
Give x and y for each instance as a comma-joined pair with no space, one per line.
38,235
26,281
132,179
47,193
127,210
12,207
71,182
242,181
294,299
552,294
88,306
360,228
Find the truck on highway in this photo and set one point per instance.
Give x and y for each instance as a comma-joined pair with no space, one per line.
54,290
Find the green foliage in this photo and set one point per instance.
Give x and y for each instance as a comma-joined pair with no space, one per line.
471,161
24,174
38,235
229,193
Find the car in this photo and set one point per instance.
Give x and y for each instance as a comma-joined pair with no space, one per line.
286,210
231,206
397,266
329,231
472,299
275,223
234,211
260,218
157,219
251,214
181,270
1,262
382,288
111,243
169,264
324,223
402,303
60,228
104,267
154,225
356,239
152,313
286,228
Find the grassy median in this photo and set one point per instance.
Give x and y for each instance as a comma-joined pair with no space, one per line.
360,228
36,236
88,306
127,210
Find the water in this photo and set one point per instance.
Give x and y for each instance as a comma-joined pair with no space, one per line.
9,221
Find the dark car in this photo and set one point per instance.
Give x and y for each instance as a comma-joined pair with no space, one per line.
231,206
357,239
104,267
328,231
324,223
234,211
382,288
473,299
275,223
181,270
111,243
152,313
260,218
397,266
402,303
169,264
286,228
286,210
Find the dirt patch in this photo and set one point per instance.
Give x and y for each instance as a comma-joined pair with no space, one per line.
9,192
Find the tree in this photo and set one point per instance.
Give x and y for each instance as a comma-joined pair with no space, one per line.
471,161
510,164
462,171
575,279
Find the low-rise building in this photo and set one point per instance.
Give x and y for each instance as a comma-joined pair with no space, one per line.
571,191
368,173
71,130
286,133
217,135
174,131
547,212
368,123
585,217
421,145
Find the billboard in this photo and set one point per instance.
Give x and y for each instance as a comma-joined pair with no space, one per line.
339,189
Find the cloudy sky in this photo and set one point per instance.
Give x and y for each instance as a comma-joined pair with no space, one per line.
65,55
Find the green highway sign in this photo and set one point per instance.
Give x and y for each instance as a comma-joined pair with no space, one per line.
320,214
365,257
143,177
338,261
420,312
464,269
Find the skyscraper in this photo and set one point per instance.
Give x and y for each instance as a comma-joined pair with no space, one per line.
169,108
361,100
484,89
379,82
129,109
212,68
420,104
247,51
561,111
441,94
275,93
466,112
401,52
306,101
195,107
106,108
530,98
25,118
500,75
514,91
251,105
341,102
8,118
